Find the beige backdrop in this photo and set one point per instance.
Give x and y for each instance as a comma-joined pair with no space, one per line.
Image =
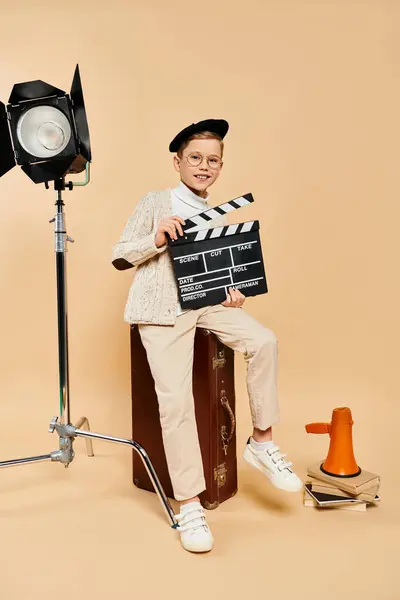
312,93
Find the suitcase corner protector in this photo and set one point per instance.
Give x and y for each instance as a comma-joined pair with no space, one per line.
211,505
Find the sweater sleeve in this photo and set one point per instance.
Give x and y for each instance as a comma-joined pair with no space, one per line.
137,241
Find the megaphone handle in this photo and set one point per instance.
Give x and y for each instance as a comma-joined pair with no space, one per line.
318,428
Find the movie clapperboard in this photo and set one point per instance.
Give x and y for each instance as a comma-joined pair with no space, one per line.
207,262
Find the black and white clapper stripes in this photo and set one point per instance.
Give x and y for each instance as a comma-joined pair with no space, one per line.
208,261
202,219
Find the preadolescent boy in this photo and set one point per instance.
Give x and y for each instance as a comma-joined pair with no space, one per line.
167,331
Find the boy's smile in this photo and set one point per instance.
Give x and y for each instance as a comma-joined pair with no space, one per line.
206,154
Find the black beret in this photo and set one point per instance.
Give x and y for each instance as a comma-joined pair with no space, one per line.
218,126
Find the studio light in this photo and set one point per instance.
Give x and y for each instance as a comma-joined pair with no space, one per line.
45,131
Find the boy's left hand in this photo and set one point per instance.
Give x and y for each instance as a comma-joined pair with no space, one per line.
235,299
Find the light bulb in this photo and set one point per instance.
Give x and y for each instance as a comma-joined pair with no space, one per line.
50,135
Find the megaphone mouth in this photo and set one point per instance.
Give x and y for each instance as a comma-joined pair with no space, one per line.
338,474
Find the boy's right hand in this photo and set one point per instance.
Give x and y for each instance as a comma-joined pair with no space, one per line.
170,225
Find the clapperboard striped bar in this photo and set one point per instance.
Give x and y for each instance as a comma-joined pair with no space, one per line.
202,219
209,261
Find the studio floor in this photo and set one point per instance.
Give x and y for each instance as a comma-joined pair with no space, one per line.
87,532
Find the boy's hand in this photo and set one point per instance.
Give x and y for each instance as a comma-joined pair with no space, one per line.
170,225
235,299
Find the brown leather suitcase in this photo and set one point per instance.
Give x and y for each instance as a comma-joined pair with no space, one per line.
214,397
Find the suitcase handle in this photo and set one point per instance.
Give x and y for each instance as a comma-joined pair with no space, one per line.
224,435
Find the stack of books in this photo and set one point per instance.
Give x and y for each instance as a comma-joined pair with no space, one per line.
346,493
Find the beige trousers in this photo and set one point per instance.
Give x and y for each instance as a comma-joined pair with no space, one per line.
170,354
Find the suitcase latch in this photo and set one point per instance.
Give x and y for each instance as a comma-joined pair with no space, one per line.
220,475
219,361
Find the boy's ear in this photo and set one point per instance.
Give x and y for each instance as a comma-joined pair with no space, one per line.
176,164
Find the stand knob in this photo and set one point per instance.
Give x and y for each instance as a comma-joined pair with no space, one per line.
52,425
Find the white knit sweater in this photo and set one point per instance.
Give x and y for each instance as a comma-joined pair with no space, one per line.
153,295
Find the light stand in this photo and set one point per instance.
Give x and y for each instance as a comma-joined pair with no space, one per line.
66,431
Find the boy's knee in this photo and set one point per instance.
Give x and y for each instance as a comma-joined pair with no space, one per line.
266,341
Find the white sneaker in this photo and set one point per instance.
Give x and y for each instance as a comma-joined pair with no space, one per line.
271,463
193,528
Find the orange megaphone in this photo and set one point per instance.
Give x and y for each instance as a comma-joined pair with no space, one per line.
340,461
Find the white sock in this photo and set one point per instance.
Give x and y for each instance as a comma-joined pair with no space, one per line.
260,446
188,505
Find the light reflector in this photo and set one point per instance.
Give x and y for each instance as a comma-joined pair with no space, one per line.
43,131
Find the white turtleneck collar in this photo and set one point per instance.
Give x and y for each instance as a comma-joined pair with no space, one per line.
188,197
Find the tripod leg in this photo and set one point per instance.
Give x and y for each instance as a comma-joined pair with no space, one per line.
25,461
147,463
84,422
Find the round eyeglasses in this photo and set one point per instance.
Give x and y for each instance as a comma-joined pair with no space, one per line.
195,159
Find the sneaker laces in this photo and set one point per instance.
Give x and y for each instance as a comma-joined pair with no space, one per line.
277,458
192,518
